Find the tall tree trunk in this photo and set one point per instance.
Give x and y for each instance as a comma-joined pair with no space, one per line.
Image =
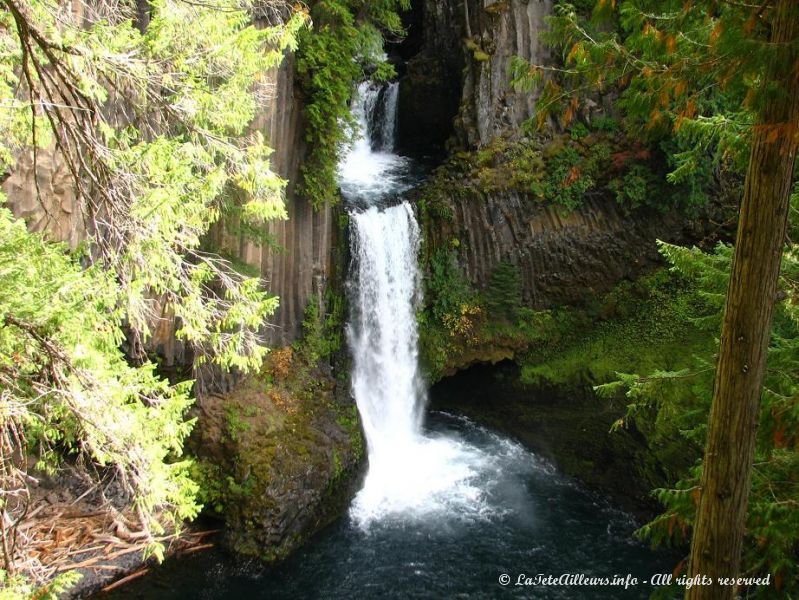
746,330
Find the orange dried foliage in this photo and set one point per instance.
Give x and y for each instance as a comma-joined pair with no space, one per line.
620,159
716,33
280,362
284,401
574,51
779,437
689,112
671,44
574,175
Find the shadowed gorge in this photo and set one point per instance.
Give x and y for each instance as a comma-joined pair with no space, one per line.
445,503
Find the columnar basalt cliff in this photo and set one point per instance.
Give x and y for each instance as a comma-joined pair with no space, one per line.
47,203
460,74
504,201
295,267
497,31
298,262
563,258
489,204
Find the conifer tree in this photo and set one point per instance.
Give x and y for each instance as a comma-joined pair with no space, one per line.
153,125
724,75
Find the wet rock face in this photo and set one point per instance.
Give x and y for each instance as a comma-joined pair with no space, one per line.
432,77
499,30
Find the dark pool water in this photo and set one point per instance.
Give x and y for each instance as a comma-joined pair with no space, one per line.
531,521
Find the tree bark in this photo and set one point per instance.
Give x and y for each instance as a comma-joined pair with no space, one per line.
746,330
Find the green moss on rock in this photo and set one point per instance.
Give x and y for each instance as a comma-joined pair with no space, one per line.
277,458
546,399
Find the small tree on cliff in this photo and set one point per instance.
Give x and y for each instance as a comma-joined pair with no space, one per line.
725,76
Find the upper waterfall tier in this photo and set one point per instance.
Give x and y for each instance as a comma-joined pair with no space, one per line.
371,172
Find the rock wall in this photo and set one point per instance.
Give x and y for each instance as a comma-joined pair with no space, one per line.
281,460
57,213
563,258
458,82
299,262
499,30
431,83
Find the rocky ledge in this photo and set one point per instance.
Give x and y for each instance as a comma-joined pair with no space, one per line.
277,458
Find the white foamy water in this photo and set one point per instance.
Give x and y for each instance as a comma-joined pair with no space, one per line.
410,474
370,170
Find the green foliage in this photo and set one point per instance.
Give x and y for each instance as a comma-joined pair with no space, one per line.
635,188
447,290
606,124
212,486
68,387
17,587
571,173
160,131
152,124
452,315
637,326
236,425
506,165
694,169
566,182
681,399
344,46
692,76
321,334
578,131
563,171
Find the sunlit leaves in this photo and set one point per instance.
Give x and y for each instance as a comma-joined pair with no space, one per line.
66,381
172,113
155,126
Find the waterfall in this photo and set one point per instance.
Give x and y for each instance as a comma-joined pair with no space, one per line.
370,172
383,121
410,472
383,332
375,110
